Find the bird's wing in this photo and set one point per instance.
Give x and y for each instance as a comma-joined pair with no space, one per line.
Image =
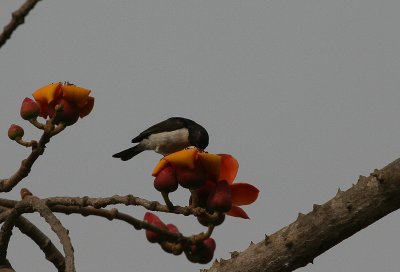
170,124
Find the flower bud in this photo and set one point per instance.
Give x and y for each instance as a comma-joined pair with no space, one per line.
152,236
191,178
165,180
29,109
171,247
69,113
220,200
202,252
172,228
15,132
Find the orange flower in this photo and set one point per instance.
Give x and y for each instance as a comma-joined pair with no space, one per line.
241,193
219,168
75,100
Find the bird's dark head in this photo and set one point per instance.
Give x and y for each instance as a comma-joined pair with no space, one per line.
198,136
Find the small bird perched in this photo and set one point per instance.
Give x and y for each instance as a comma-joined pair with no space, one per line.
166,137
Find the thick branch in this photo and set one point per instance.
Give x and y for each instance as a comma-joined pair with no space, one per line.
51,252
18,18
26,227
5,234
62,233
327,225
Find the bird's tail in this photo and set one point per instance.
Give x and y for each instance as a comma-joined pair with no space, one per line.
129,153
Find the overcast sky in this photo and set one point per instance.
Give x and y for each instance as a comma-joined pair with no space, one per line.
305,94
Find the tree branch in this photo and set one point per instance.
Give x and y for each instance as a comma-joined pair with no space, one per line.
128,200
38,148
79,205
327,225
5,234
18,18
62,233
52,254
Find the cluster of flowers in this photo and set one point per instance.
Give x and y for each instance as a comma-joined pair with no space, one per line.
210,179
199,252
75,102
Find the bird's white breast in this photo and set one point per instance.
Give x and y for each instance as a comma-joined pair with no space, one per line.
168,142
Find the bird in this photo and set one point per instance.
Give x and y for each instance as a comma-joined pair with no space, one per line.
166,137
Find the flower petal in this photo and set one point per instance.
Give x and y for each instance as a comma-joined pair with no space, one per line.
211,162
237,212
76,95
88,107
229,168
183,158
243,194
48,94
44,110
160,166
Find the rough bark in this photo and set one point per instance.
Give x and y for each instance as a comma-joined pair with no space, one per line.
325,226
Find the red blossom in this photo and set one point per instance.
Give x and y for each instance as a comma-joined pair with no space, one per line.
75,100
213,175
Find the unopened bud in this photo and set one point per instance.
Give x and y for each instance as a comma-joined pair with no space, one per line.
165,180
15,132
153,237
29,109
202,252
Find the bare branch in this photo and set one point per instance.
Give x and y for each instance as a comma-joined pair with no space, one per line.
18,18
51,252
328,224
5,234
5,213
6,267
128,200
26,227
38,148
79,205
136,223
62,233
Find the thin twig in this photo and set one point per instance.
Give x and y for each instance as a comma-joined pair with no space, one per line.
38,148
128,200
136,223
18,18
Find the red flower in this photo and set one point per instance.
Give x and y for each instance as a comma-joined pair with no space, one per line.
217,190
75,100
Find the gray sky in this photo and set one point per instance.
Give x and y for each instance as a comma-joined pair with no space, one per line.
303,93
